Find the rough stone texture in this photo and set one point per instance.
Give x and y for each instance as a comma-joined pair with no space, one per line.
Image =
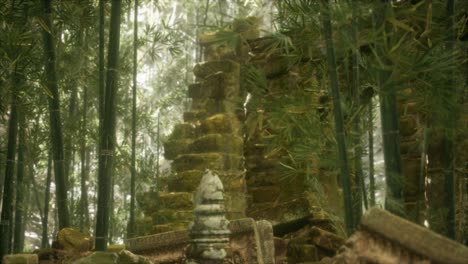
116,248
205,69
127,257
186,181
72,240
209,231
21,259
266,177
326,240
214,161
386,238
220,123
250,243
167,216
411,136
210,138
172,148
266,239
169,227
282,212
218,143
99,257
144,225
299,253
147,201
176,200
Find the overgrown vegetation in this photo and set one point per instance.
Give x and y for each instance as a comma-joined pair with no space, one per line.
407,55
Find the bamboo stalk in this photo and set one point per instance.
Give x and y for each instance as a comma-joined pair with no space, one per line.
338,116
107,135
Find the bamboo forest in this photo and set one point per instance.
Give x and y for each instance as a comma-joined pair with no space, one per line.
233,131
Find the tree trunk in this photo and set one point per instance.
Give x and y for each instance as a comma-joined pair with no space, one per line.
370,136
45,220
107,135
55,120
83,207
360,190
68,147
7,201
390,121
338,115
101,62
449,150
131,224
20,203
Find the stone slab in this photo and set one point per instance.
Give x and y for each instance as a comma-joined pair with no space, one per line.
413,237
250,243
278,213
176,200
223,143
221,123
21,259
212,161
202,70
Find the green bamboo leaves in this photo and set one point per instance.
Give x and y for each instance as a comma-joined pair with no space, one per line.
338,115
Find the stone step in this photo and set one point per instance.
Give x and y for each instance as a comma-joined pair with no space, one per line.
203,70
265,194
183,130
194,116
281,212
221,124
147,201
188,181
167,216
21,259
299,253
223,143
143,226
163,228
408,125
411,169
212,161
326,240
175,201
185,181
216,86
174,148
411,146
408,108
262,178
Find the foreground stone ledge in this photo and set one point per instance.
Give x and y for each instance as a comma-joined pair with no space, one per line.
413,237
21,259
250,242
386,238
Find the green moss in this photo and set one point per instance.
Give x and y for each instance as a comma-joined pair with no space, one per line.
204,69
176,200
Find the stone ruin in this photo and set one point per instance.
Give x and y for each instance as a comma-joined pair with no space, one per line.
386,238
210,238
382,238
212,136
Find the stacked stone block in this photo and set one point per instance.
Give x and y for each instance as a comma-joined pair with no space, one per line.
411,136
272,195
209,138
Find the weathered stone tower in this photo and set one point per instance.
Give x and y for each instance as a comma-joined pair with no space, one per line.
211,137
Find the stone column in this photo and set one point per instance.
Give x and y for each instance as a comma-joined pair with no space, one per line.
209,231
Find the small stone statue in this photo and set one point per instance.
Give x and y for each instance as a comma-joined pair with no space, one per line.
209,231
